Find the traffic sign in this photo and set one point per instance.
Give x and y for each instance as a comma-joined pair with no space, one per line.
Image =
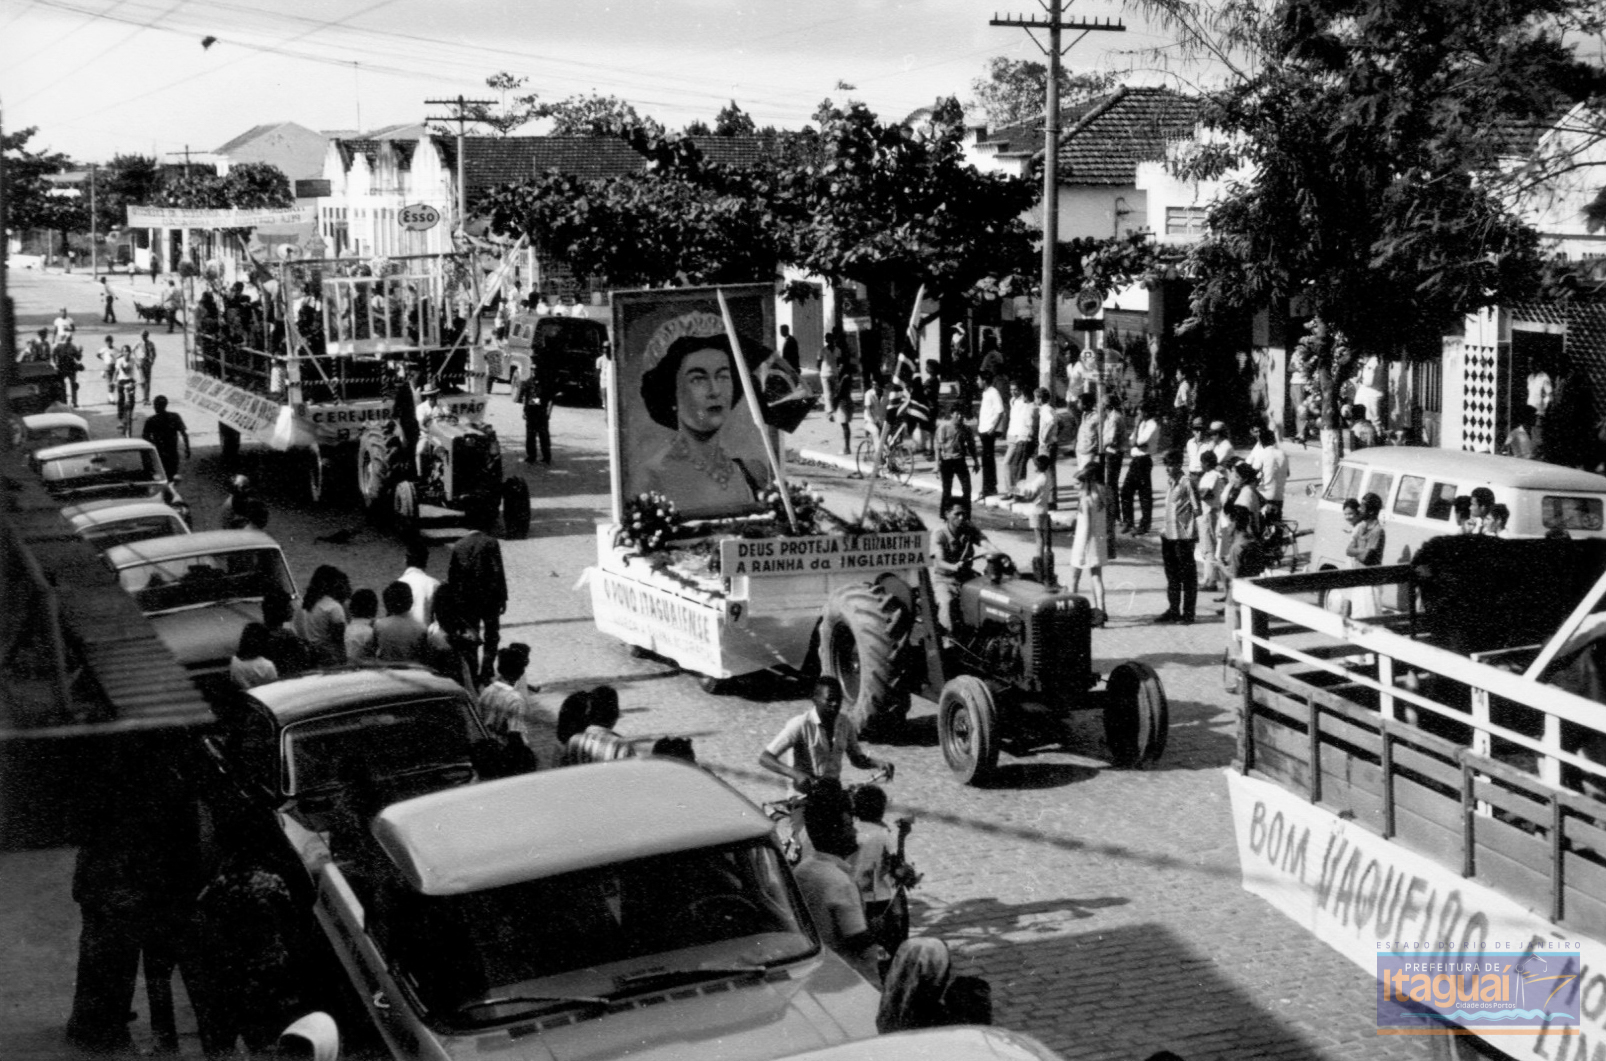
418,218
1089,303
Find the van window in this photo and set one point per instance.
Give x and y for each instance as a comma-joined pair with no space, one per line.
1343,484
1570,513
1380,483
1410,495
1441,503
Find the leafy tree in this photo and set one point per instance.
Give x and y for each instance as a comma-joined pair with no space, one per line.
512,112
1015,90
733,121
127,180
1363,129
697,128
29,202
594,115
872,203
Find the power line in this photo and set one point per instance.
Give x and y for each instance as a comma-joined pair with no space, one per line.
93,58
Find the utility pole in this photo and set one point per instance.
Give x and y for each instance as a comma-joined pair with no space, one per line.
462,119
94,258
1049,334
186,154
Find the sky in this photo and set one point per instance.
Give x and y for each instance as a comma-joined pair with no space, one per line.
103,77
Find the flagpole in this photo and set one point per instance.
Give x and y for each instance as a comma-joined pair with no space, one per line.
881,435
757,410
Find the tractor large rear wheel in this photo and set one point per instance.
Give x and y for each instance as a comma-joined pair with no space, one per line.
862,635
967,729
1137,717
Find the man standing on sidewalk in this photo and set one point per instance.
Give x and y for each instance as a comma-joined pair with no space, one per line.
172,301
955,450
1113,444
1022,436
1137,489
145,360
479,585
1048,443
990,426
108,301
1179,534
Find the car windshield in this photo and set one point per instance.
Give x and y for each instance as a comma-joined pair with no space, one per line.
392,743
205,578
59,435
135,529
657,922
107,467
571,334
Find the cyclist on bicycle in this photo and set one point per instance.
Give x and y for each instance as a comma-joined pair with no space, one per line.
122,371
811,746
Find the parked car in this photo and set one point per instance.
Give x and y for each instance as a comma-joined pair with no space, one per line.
44,430
948,1044
199,591
635,909
34,387
572,344
113,467
286,743
119,521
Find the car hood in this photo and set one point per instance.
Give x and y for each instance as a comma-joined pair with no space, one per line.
815,1004
206,636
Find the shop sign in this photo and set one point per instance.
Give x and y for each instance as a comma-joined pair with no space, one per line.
420,217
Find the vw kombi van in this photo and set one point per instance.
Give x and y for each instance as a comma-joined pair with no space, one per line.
1419,486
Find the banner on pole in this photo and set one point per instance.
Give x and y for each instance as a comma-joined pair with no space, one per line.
162,217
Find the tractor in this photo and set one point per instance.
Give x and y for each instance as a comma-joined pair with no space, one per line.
1017,662
456,471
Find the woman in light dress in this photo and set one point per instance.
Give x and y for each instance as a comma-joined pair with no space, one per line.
1089,548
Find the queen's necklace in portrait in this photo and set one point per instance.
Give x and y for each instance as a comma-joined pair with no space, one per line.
716,465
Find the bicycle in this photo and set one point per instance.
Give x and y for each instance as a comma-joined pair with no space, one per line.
782,810
897,460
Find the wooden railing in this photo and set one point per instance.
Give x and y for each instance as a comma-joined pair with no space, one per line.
1488,773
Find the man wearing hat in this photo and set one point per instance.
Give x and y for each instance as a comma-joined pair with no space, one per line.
1197,443
426,411
1223,446
1179,532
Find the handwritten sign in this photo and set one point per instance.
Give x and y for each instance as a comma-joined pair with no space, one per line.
161,217
824,554
682,630
1359,894
239,408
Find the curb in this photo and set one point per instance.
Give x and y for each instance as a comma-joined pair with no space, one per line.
930,485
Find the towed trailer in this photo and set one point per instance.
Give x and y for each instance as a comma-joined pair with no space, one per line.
1404,790
322,369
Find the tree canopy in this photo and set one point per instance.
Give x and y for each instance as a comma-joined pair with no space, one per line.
1016,90
29,202
1360,152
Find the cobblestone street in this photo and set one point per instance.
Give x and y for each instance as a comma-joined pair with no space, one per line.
1105,906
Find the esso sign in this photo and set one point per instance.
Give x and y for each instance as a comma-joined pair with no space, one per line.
418,218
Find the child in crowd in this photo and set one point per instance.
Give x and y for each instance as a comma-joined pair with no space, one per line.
362,610
250,666
872,864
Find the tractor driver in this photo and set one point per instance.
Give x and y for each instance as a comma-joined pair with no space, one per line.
954,547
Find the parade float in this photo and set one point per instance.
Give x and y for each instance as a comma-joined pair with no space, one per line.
714,561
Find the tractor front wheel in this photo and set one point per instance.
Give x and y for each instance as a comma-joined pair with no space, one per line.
862,634
1137,717
967,729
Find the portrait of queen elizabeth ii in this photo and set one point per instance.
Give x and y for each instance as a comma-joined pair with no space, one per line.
685,427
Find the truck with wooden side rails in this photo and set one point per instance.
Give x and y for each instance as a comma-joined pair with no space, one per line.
1423,780
714,562
327,361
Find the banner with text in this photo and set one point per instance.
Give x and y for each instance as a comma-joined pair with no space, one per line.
661,622
823,554
328,425
162,217
1390,910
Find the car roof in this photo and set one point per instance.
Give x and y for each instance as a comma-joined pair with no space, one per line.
328,692
84,449
1478,467
951,1044
558,821
197,544
82,516
45,421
